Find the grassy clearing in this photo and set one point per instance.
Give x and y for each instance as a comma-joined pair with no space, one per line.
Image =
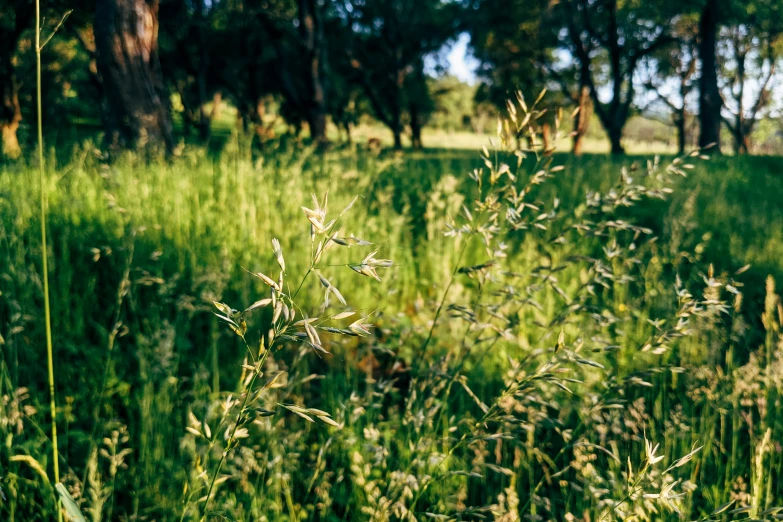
439,414
472,141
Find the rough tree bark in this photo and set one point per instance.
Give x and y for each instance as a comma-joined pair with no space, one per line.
709,92
126,40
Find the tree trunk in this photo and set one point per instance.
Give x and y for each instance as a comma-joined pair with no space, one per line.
681,114
415,127
243,121
578,147
312,33
416,138
746,144
10,113
317,124
126,40
204,121
397,139
188,122
582,119
741,132
348,136
736,138
681,133
615,139
204,125
709,93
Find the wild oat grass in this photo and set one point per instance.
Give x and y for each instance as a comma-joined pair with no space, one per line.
549,339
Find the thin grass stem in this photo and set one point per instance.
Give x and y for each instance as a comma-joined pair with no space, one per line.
45,267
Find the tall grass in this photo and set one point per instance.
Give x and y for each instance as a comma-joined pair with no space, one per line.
457,406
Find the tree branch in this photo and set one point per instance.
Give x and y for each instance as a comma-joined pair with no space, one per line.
650,86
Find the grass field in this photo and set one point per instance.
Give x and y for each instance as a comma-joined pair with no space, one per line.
554,346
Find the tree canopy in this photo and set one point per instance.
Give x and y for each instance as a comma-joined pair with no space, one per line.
129,64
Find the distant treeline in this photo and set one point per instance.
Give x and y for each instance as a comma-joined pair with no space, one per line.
120,63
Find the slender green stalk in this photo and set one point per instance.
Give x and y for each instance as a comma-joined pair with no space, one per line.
45,268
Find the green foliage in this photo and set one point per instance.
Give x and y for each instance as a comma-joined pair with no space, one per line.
567,321
456,107
388,43
512,40
256,59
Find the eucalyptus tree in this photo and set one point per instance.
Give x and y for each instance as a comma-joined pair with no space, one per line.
609,39
389,40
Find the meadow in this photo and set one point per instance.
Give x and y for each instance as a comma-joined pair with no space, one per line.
544,338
